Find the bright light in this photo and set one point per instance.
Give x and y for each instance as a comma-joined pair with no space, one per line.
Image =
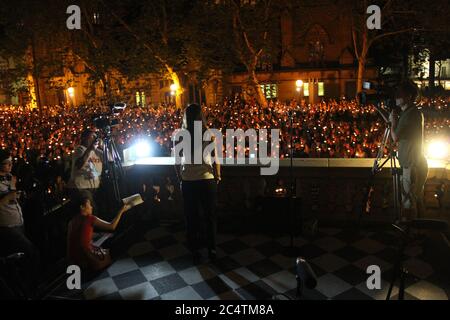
172,93
299,83
173,87
71,91
298,89
143,149
438,150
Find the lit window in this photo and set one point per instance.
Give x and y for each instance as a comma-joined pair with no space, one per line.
270,90
321,90
447,85
142,98
306,89
138,98
274,91
96,18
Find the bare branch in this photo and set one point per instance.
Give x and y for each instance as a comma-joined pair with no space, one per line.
89,32
137,37
388,34
355,46
85,63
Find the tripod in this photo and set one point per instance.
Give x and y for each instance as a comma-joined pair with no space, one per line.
406,238
112,163
379,163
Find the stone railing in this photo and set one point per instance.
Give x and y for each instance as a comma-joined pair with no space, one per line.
328,189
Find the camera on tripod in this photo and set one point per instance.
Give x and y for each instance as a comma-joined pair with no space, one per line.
104,122
379,93
112,172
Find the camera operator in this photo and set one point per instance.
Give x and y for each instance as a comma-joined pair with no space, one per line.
87,165
12,233
408,132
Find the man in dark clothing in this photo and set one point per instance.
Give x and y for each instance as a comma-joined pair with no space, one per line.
408,132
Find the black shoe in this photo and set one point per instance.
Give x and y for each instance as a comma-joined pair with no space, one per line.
212,254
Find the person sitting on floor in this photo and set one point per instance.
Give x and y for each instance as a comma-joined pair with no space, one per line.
80,250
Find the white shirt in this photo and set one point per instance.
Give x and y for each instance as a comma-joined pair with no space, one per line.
10,213
88,177
193,172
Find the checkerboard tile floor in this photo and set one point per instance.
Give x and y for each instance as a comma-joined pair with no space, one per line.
254,266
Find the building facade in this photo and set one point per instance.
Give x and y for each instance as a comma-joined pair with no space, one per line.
316,51
316,48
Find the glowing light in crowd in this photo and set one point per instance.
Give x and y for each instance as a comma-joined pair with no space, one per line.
71,91
173,89
143,149
438,150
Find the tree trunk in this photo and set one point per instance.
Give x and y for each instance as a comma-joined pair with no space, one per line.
254,87
36,76
106,90
359,81
432,72
176,81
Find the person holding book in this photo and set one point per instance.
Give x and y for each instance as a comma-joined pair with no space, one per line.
80,250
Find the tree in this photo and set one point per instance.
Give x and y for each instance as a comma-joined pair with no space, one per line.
393,22
157,27
434,40
101,46
209,47
253,25
30,36
428,41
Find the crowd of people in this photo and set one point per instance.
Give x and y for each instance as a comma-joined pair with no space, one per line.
329,129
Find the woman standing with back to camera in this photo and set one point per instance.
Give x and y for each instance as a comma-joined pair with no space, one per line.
199,187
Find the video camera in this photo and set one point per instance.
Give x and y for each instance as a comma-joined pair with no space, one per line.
104,122
378,94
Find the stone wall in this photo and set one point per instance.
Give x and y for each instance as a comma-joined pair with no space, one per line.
326,192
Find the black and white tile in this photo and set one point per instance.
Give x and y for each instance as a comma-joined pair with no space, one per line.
256,266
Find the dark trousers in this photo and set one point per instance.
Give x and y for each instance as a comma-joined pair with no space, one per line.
200,198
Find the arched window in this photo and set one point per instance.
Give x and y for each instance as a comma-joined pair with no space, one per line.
316,39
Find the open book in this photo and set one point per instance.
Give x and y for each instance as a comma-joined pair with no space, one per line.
133,200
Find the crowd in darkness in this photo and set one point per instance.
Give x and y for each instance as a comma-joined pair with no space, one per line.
331,129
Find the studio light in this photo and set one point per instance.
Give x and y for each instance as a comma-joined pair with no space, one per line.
143,149
437,150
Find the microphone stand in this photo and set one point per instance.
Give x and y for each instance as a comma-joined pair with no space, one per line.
292,251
